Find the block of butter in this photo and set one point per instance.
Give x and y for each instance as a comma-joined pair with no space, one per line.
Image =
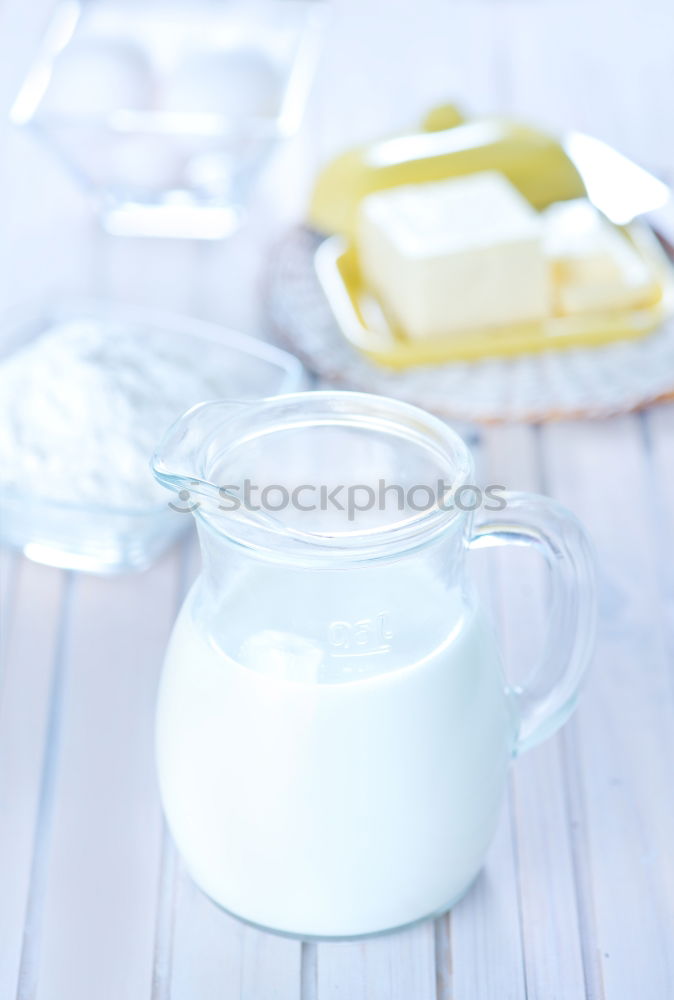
454,256
593,265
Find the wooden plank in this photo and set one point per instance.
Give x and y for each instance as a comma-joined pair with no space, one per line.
217,957
566,70
370,82
230,274
625,722
100,892
31,670
485,955
547,890
486,934
391,967
47,221
658,425
163,274
8,574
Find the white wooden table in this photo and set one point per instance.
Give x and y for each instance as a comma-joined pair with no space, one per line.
577,898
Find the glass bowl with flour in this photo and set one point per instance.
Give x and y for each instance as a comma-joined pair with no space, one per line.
85,391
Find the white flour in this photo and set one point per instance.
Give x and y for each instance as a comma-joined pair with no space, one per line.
83,407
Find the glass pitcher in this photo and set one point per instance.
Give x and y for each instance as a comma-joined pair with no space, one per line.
334,726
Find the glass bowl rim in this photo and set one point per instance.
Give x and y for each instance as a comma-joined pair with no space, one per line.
290,368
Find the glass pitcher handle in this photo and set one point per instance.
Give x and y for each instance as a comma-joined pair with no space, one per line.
548,697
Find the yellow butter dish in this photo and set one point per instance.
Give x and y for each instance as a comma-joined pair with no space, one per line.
365,325
447,146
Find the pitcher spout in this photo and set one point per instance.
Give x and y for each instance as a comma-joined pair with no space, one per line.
188,452
182,456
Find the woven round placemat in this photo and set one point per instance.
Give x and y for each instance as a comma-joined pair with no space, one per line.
580,382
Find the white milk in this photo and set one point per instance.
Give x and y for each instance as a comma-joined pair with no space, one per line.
333,808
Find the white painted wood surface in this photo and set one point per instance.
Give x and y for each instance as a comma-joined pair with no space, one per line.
577,897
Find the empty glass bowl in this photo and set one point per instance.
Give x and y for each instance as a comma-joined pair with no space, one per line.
105,534
166,112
